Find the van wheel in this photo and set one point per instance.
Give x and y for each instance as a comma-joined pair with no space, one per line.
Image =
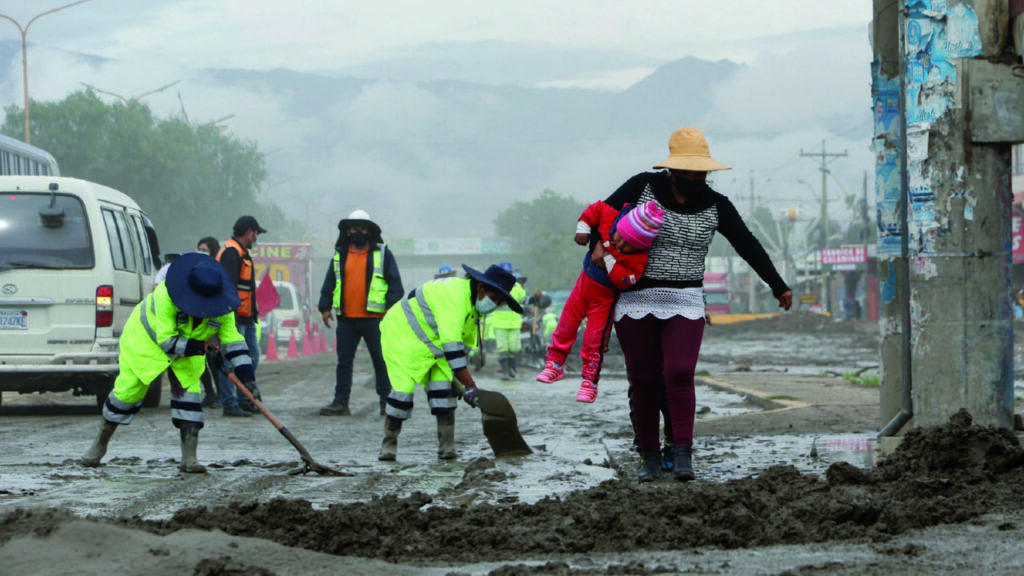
152,398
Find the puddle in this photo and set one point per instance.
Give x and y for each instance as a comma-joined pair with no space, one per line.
731,457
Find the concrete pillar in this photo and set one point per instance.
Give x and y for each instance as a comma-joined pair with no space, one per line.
951,235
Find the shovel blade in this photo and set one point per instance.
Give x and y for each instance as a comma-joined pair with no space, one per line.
501,427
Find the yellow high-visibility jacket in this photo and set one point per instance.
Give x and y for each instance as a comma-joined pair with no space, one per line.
156,333
435,325
505,318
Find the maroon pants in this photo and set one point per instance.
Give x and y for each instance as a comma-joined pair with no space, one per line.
661,355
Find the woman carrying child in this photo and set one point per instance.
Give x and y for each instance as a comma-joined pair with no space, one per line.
615,262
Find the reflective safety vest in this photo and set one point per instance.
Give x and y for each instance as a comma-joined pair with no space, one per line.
436,325
375,298
504,318
246,285
156,333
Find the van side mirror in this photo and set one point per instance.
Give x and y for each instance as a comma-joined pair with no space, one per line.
52,216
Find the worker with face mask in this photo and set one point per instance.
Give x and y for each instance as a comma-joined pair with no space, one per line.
426,341
362,282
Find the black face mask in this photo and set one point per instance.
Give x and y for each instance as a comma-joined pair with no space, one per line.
359,238
691,188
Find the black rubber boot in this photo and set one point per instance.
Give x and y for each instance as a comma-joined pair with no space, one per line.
389,447
512,367
503,362
446,436
189,443
99,446
650,466
683,457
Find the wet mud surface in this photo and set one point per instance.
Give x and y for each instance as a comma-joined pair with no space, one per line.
770,498
946,474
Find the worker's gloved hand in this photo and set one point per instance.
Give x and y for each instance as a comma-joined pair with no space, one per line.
215,359
458,389
254,389
470,395
195,347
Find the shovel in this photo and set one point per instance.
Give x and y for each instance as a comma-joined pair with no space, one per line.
501,427
309,465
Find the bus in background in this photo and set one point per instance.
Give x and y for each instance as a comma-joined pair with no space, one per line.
20,159
716,293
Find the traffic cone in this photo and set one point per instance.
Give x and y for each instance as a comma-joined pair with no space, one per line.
316,341
293,351
323,341
272,347
307,347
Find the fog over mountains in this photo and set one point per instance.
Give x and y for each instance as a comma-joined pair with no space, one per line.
438,145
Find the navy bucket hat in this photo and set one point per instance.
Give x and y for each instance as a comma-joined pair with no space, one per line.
199,286
499,279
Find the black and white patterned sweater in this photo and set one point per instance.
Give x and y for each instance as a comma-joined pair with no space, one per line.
676,258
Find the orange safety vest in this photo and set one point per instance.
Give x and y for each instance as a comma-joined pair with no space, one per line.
245,286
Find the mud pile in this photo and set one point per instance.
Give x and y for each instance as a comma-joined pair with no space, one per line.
945,474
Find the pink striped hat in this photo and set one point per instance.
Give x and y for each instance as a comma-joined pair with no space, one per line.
641,224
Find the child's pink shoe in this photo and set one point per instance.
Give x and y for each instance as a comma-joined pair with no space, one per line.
552,372
587,393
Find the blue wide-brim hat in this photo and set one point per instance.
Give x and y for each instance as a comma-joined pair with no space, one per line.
199,286
499,279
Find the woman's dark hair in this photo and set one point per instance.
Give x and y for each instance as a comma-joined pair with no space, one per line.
211,243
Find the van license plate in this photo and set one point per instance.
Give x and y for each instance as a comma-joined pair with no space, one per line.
13,319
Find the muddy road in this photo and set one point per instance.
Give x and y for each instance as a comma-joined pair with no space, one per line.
779,491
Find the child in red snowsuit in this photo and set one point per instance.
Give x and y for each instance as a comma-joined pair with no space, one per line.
615,262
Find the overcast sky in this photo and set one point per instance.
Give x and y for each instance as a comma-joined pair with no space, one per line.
328,35
806,58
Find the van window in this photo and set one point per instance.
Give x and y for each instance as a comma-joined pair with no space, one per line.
286,299
121,250
26,243
140,241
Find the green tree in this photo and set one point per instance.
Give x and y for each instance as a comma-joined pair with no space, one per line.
543,229
192,180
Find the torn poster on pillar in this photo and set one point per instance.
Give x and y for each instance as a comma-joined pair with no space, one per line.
886,147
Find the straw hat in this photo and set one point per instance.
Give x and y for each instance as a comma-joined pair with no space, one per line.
688,150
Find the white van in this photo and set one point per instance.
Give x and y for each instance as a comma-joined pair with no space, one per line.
289,317
75,259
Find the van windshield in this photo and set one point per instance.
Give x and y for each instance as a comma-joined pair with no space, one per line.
26,243
286,299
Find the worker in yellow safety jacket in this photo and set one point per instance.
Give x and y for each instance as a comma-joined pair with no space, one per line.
507,325
170,329
426,339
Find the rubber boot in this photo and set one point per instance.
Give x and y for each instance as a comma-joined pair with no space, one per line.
503,362
683,457
446,436
650,466
189,443
389,448
512,367
99,446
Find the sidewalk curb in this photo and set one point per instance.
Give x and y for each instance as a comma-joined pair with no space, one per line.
756,397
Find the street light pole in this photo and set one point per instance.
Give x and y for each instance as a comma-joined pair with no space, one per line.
133,98
24,50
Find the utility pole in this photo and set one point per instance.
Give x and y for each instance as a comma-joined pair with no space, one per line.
750,273
825,158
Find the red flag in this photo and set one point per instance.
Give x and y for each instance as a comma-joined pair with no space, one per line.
267,297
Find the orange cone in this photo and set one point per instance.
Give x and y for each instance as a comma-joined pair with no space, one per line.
272,347
293,351
316,341
307,347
